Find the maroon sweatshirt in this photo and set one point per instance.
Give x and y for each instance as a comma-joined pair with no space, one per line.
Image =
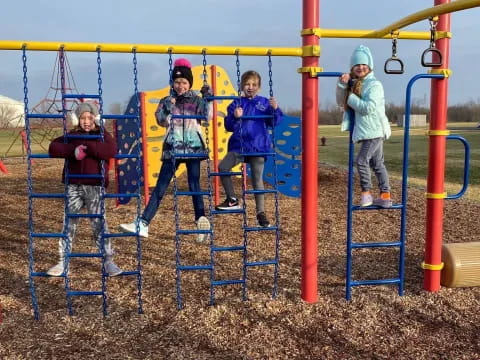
96,151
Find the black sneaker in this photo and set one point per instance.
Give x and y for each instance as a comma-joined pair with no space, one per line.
262,220
229,204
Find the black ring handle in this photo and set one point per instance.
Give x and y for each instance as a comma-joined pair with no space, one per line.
432,63
393,59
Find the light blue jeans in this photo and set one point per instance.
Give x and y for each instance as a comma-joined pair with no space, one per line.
370,156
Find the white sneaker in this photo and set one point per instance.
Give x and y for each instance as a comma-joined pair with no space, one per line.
132,227
111,269
56,270
202,224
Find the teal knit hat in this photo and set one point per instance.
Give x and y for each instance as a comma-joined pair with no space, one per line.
361,55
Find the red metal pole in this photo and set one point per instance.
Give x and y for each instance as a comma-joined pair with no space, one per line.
436,165
310,158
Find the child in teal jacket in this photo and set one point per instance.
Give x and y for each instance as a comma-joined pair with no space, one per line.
360,91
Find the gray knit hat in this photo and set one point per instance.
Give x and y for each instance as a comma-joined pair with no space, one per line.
83,107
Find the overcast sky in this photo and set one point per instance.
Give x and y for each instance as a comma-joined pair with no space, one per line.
266,23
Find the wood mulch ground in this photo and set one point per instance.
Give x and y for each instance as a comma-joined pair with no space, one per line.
376,324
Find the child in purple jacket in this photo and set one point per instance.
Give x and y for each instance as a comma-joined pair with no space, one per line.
249,136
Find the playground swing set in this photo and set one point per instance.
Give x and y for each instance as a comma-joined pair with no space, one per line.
137,150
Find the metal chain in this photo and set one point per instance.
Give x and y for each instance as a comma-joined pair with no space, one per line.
433,28
30,188
138,171
394,44
275,178
270,81
102,164
68,245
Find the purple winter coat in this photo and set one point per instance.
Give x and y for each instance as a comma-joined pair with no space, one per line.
251,135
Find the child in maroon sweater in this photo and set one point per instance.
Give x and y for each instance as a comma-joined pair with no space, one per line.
84,157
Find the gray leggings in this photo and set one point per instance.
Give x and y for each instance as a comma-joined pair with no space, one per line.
87,196
371,156
257,164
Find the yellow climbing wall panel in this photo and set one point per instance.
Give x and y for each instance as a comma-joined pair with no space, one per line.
155,133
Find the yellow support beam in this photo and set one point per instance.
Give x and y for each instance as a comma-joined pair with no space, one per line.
372,34
425,14
146,48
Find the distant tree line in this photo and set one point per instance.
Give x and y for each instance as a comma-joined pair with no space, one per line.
467,112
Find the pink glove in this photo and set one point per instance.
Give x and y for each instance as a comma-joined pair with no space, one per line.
80,152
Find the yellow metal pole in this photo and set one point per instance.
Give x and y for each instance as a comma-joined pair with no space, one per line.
148,48
372,34
425,14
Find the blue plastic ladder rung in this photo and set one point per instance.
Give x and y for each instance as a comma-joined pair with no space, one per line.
227,282
189,156
264,191
253,117
226,173
81,96
376,245
261,263
120,195
42,274
91,137
194,267
120,117
127,156
85,176
189,193
260,228
228,248
258,154
375,207
231,97
46,235
84,215
117,235
181,116
40,156
45,116
225,212
84,255
84,293
193,231
129,273
375,282
47,196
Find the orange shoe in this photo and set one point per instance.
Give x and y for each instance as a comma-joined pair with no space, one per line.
384,200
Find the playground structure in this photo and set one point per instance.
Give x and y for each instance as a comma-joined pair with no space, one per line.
310,72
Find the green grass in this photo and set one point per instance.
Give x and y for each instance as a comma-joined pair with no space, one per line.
336,153
11,141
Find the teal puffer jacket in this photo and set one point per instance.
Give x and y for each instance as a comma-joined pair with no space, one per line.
370,119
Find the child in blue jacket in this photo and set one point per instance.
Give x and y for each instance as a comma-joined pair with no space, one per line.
249,136
361,91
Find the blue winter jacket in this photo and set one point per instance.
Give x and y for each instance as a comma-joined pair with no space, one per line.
370,119
251,135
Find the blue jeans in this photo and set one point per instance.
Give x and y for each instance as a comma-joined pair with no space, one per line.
166,174
370,156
